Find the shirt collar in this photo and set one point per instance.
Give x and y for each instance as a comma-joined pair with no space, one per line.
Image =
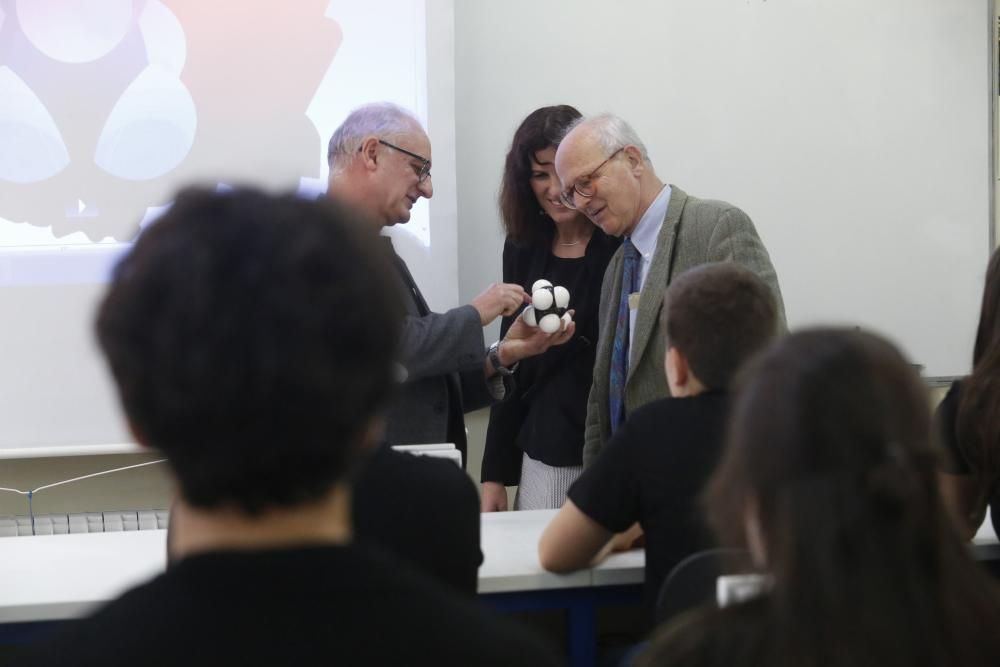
645,234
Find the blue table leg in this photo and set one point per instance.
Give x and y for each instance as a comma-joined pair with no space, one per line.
581,605
582,633
25,633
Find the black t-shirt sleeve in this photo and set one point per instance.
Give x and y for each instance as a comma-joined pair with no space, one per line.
452,508
946,429
422,510
608,489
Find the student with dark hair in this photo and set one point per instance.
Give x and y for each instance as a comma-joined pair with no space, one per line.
535,436
829,479
244,350
715,317
968,422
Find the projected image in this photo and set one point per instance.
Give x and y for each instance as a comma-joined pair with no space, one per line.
89,166
107,107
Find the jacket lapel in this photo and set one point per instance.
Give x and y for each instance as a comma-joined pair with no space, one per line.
412,295
651,296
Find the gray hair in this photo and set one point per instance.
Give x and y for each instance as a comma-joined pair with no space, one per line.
378,119
611,132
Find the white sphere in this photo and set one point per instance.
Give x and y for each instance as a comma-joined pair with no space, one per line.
539,284
566,319
529,317
542,299
562,296
550,323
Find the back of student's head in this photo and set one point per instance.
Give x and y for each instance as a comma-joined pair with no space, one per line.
829,477
717,316
829,437
251,340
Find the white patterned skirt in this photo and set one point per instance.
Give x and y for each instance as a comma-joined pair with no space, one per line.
543,486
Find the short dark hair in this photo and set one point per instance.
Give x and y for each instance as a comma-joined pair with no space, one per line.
543,128
717,316
251,338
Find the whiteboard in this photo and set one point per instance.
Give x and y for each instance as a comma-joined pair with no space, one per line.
856,135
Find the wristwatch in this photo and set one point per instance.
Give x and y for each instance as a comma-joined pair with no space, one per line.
494,355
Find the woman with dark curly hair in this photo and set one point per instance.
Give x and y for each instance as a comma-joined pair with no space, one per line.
535,436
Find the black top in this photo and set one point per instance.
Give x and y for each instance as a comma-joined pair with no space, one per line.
319,605
424,511
545,413
652,471
957,463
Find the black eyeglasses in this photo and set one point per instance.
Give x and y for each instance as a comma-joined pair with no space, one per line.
423,171
584,185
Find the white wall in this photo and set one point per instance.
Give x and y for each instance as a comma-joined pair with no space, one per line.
149,487
855,134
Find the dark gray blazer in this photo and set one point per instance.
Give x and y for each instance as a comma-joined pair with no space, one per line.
443,355
695,231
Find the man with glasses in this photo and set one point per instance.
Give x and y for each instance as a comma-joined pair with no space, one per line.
607,174
380,163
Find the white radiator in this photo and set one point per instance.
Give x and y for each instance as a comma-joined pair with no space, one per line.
86,522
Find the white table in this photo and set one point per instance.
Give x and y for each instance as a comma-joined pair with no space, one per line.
510,558
511,579
56,577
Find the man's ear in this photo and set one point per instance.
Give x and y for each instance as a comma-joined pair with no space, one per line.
634,156
369,153
677,370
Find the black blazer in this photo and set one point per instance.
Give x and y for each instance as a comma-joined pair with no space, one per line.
544,414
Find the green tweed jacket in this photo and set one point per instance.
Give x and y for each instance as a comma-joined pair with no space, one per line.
695,231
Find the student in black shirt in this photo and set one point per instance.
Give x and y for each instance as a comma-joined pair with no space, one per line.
243,350
715,316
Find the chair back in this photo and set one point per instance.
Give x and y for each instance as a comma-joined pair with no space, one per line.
692,582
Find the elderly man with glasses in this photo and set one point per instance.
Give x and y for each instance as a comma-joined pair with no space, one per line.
606,173
380,163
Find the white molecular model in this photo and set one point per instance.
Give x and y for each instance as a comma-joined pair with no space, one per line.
548,307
